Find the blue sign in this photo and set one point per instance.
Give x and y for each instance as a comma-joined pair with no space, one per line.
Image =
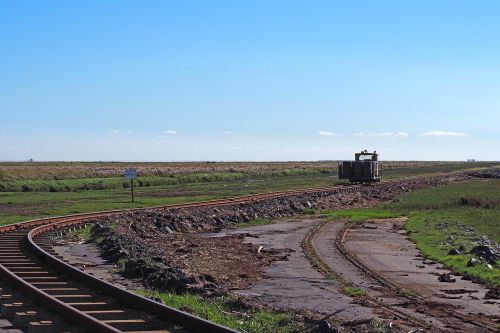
130,173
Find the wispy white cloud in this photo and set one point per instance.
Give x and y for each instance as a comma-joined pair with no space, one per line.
328,133
114,131
382,134
228,132
130,132
167,133
443,133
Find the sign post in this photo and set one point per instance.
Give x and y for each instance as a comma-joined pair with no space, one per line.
131,174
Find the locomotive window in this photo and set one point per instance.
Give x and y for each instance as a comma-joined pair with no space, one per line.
365,157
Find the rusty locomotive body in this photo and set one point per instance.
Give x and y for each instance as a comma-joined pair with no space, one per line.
365,168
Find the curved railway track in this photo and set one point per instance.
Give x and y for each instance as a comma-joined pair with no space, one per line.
35,279
476,321
480,323
326,270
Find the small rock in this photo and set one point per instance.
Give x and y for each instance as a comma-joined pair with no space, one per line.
492,294
324,327
453,252
485,253
446,277
473,262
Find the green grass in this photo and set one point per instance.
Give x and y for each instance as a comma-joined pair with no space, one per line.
432,168
475,204
20,206
80,233
85,184
353,291
423,229
407,293
226,311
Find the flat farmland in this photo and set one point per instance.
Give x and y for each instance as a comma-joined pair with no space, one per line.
29,190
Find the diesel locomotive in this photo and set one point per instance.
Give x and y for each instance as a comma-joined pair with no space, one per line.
365,168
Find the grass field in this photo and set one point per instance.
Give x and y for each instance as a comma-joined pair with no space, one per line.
96,193
19,206
68,177
48,189
439,219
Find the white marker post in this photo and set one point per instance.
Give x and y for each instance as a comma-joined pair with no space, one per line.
131,173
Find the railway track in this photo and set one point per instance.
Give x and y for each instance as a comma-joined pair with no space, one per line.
476,321
326,270
448,315
42,293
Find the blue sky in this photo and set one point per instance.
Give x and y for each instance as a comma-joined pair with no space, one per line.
249,80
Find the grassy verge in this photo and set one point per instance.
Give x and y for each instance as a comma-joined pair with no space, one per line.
443,218
227,311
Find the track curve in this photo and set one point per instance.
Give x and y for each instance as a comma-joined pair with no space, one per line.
29,265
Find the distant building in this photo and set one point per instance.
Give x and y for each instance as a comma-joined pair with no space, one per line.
471,160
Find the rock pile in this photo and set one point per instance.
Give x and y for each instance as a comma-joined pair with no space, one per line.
489,173
137,260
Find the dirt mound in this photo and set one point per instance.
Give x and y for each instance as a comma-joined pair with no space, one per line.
183,262
137,260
